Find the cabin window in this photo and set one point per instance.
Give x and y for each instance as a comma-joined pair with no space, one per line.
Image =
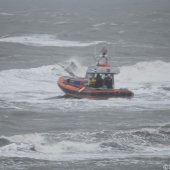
108,70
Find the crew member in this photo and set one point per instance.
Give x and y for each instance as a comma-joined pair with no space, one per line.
91,82
99,81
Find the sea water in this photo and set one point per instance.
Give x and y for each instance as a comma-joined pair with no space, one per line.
41,128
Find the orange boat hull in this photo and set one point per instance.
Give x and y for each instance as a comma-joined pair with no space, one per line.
92,93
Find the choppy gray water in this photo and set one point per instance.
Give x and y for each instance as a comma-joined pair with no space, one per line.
40,129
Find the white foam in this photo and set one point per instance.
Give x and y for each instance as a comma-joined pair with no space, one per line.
62,23
28,85
46,40
68,146
38,146
42,144
99,24
154,71
35,87
6,14
31,139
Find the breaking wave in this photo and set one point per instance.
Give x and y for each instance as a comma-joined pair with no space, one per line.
45,40
146,141
154,71
37,88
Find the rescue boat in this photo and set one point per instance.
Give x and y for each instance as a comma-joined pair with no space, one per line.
98,82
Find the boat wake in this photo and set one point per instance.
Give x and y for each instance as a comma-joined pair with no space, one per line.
36,88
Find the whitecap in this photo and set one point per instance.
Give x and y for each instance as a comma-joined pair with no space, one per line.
41,40
38,89
6,14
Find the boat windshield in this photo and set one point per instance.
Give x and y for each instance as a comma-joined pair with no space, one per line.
101,80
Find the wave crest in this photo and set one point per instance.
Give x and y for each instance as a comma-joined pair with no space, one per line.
39,40
153,71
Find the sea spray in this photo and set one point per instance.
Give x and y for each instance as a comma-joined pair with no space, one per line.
36,88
